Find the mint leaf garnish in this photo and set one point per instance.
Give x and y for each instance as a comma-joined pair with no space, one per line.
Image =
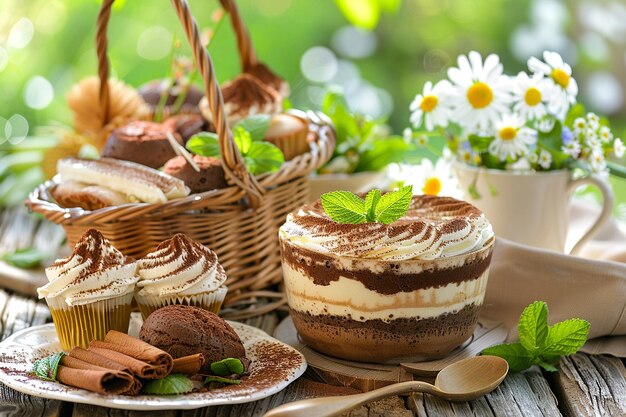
566,337
533,326
394,205
371,201
243,140
46,368
514,353
213,378
256,125
541,344
204,144
263,157
228,366
344,207
27,258
170,385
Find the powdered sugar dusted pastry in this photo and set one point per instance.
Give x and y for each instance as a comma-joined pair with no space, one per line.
88,197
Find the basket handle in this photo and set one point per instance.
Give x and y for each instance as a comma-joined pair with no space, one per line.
244,43
234,166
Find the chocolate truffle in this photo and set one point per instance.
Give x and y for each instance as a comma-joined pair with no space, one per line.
210,177
142,142
187,125
184,330
153,90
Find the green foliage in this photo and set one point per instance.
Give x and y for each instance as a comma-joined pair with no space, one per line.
366,13
173,384
348,208
46,368
27,258
363,144
541,344
220,379
228,366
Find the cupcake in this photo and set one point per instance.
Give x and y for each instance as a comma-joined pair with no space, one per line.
289,133
374,292
89,292
210,177
154,93
180,271
142,142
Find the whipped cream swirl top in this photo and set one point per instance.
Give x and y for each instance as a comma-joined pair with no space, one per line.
94,271
434,227
179,267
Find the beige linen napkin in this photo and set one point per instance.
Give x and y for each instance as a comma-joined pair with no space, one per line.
592,289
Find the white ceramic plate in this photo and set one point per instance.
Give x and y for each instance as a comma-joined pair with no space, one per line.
274,366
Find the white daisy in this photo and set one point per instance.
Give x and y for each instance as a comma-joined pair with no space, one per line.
605,134
619,148
428,178
481,93
593,121
572,149
592,140
430,108
545,159
522,164
580,125
598,163
559,75
512,138
422,140
533,158
407,134
545,125
528,96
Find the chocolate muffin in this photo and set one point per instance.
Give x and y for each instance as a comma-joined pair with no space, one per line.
184,330
187,125
141,142
210,177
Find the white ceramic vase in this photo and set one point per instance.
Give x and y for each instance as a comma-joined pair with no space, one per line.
531,207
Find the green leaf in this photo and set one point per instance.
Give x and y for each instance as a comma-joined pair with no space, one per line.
371,200
46,368
566,337
344,207
547,366
389,6
204,144
243,140
263,157
394,205
27,258
362,13
514,353
227,367
533,326
256,125
170,385
213,378
385,151
576,111
480,143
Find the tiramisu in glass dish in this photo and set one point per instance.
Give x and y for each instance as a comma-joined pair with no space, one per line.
375,292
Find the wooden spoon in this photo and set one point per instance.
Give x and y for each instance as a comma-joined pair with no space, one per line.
464,380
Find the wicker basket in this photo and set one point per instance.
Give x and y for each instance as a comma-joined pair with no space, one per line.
240,222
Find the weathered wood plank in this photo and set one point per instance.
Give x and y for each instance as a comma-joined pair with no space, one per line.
525,394
16,404
85,410
593,386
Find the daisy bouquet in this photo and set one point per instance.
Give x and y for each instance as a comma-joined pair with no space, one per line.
527,122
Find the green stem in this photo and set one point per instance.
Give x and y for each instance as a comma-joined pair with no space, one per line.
158,114
616,169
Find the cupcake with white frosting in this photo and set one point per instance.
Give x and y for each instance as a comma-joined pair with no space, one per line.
180,271
90,292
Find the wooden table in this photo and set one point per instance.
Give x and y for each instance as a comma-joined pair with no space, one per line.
584,386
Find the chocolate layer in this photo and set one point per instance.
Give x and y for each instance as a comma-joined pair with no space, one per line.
324,269
380,341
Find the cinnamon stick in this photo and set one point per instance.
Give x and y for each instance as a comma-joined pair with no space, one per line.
136,348
96,359
102,382
140,368
189,365
75,363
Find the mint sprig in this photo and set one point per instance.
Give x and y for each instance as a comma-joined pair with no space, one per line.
348,208
541,344
172,384
228,381
46,368
259,157
228,366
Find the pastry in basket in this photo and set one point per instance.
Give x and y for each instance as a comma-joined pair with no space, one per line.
180,271
210,177
374,288
154,92
142,142
90,292
267,77
187,125
244,96
91,183
184,330
289,133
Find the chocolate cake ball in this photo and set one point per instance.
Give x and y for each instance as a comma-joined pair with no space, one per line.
142,142
152,91
210,177
187,125
184,330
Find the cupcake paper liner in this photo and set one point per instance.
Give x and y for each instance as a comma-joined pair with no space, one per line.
79,325
293,144
211,301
